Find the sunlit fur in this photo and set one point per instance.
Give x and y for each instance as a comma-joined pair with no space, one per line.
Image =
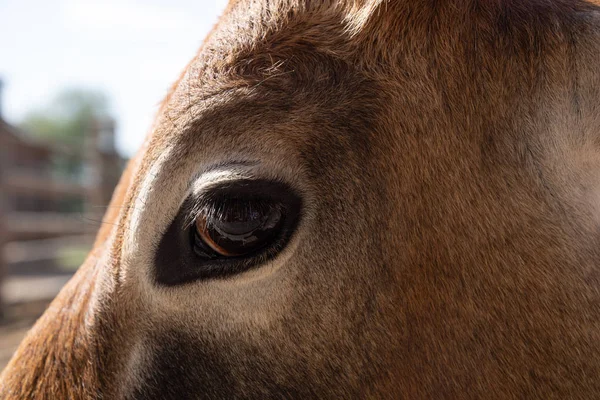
448,153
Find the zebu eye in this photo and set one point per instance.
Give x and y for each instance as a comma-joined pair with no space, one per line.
237,227
227,228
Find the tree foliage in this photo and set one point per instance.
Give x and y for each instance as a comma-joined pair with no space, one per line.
67,117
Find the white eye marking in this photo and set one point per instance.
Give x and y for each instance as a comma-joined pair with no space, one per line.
219,175
209,178
141,203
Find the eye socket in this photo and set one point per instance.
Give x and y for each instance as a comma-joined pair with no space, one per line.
227,229
236,227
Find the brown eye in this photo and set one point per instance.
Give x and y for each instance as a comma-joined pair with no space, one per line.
226,229
236,228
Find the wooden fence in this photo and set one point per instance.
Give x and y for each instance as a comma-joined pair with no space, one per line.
34,224
37,238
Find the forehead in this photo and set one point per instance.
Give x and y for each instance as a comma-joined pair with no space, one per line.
269,50
277,70
246,87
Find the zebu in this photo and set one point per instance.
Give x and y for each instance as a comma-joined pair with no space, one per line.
351,199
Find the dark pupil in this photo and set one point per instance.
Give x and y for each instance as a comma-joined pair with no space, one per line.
240,227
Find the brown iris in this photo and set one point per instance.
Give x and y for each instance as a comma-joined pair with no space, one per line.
237,227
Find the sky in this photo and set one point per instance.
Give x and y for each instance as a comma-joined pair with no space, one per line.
130,50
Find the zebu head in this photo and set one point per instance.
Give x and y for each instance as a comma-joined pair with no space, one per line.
386,199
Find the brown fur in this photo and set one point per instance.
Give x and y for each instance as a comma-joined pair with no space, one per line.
448,154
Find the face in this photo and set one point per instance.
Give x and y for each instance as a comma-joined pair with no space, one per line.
260,259
341,202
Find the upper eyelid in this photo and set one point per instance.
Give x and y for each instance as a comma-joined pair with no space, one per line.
215,178
209,195
221,171
201,186
212,190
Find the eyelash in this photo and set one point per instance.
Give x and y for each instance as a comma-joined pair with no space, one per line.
177,259
206,206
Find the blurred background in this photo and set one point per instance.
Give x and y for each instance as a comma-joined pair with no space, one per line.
80,82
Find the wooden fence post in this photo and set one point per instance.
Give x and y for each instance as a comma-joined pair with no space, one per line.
3,235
